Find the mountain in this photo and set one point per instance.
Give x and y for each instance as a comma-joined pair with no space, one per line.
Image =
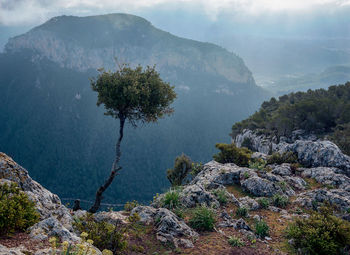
52,126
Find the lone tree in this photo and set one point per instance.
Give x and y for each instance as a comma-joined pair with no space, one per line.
133,94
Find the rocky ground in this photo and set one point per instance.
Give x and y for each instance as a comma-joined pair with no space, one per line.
324,179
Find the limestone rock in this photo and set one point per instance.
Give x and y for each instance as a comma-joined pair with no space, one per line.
169,227
314,198
248,203
52,227
282,170
327,176
260,187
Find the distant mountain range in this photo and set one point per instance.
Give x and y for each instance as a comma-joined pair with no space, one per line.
52,126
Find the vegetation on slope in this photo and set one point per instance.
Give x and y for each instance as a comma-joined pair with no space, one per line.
322,112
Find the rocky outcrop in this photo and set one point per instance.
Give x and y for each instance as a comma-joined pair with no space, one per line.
327,176
318,153
310,151
169,227
260,187
56,219
315,198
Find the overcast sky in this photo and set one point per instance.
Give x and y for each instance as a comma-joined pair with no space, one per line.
33,12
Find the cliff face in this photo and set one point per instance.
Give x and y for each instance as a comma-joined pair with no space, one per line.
94,42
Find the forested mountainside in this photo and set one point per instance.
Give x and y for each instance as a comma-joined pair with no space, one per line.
51,125
324,113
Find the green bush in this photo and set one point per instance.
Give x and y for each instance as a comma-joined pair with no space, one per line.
171,199
104,235
321,233
229,153
242,212
285,157
182,167
202,218
17,212
247,143
221,196
258,164
130,205
196,169
264,203
261,228
280,201
235,241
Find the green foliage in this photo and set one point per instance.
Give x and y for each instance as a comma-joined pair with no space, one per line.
258,164
230,153
104,235
322,233
261,228
130,205
17,212
242,212
280,200
196,168
285,157
235,241
341,136
264,203
247,143
171,199
202,219
182,167
134,94
323,112
221,196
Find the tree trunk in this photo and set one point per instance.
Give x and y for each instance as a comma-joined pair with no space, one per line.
115,169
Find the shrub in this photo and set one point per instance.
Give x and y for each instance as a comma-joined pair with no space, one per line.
321,233
247,143
261,228
171,199
202,218
182,167
229,153
65,248
221,196
264,203
285,157
130,205
196,168
280,201
235,241
242,212
258,164
17,212
104,235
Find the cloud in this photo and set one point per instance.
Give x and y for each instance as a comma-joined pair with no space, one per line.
24,12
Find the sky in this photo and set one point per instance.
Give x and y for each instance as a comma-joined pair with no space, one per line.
33,12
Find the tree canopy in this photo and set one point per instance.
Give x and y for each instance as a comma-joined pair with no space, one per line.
134,94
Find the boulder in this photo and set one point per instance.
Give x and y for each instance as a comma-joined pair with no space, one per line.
248,203
260,187
318,153
282,170
194,195
328,176
315,198
169,227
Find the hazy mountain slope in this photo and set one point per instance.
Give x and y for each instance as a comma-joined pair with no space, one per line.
53,127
